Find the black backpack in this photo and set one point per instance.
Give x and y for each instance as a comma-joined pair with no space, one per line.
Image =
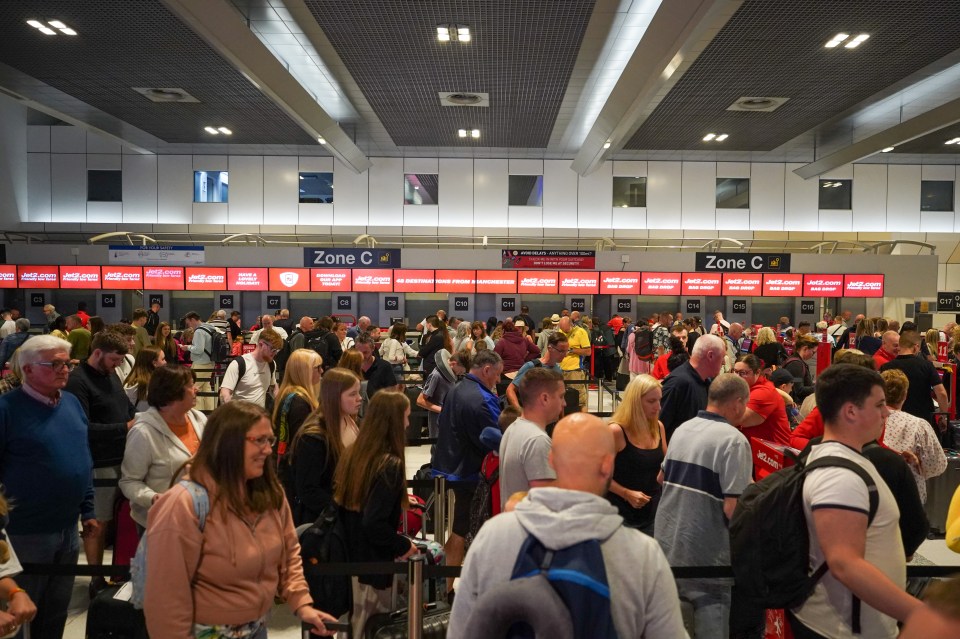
324,542
284,353
643,342
219,351
321,346
769,541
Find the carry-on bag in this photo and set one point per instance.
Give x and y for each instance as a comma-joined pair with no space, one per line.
112,618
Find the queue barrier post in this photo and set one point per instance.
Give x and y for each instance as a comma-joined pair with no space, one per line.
415,597
440,509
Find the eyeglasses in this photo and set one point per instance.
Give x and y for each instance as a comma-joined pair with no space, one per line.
562,351
744,373
56,365
260,442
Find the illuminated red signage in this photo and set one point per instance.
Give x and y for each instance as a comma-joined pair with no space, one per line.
701,284
823,285
124,277
247,279
619,283
537,282
863,286
377,280
38,276
206,279
412,280
79,277
782,284
163,278
331,279
289,279
659,283
455,281
8,276
496,281
584,282
742,284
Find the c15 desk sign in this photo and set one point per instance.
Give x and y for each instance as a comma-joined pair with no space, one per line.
351,257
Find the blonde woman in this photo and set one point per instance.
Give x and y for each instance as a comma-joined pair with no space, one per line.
932,338
641,447
769,350
297,397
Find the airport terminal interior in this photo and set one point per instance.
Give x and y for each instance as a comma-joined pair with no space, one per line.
389,158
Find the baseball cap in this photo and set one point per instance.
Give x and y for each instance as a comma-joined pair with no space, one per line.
782,376
519,324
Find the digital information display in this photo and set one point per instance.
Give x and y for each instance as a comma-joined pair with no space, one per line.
619,283
701,284
584,282
863,285
122,277
782,285
247,279
38,276
373,280
496,281
447,281
80,277
163,278
206,279
822,285
331,279
540,282
291,279
8,276
660,283
742,284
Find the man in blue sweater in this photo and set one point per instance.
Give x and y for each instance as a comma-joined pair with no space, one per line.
45,468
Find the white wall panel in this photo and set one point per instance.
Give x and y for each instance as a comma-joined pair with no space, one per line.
903,198
594,198
38,139
245,202
525,217
68,139
105,212
104,162
421,165
280,189
663,194
350,203
97,143
211,163
490,193
456,192
844,172
174,189
211,212
526,167
936,221
938,172
841,220
869,197
139,188
420,215
68,175
632,217
733,170
559,194
316,214
801,203
630,168
698,196
731,220
316,164
386,191
766,196
38,187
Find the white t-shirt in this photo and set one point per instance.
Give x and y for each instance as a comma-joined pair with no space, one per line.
12,567
828,610
257,379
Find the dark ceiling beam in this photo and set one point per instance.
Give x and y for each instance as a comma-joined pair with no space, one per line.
679,32
933,120
223,28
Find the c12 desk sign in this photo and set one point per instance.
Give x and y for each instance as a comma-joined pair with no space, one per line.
351,257
743,262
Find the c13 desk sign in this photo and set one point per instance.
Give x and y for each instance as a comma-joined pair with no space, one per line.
743,262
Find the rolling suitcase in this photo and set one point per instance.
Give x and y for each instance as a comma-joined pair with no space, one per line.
393,625
112,618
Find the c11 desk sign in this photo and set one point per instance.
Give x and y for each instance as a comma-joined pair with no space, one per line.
948,302
743,262
351,257
156,254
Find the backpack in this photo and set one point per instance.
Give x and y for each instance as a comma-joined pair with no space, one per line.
321,347
219,345
486,496
324,542
280,359
138,566
643,343
242,369
625,333
769,540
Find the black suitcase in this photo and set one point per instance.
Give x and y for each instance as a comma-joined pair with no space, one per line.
393,625
110,618
571,399
426,494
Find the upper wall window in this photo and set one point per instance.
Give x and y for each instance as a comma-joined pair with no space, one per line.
629,191
526,190
210,186
104,186
936,195
421,188
733,193
316,188
836,194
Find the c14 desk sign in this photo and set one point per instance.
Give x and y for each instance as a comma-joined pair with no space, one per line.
948,302
352,257
743,262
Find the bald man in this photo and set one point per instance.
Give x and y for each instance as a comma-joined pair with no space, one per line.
889,348
571,511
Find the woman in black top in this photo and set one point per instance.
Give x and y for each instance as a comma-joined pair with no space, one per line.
641,447
769,350
372,494
434,340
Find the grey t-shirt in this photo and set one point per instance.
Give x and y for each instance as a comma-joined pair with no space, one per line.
524,454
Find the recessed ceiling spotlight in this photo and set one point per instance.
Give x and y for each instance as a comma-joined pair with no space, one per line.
211,130
853,44
448,32
224,130
606,144
722,137
462,133
443,34
709,136
953,141
475,134
56,24
321,140
886,149
836,40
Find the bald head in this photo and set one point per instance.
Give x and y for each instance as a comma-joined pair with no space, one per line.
564,324
891,342
583,453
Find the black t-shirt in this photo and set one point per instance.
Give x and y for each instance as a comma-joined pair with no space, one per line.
684,395
923,377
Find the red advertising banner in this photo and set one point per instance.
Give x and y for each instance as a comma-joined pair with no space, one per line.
290,279
496,281
742,284
537,282
376,280
659,283
8,276
163,278
701,284
206,279
331,279
549,259
412,281
863,285
584,283
38,276
823,285
122,277
80,277
247,279
619,283
447,281
782,284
